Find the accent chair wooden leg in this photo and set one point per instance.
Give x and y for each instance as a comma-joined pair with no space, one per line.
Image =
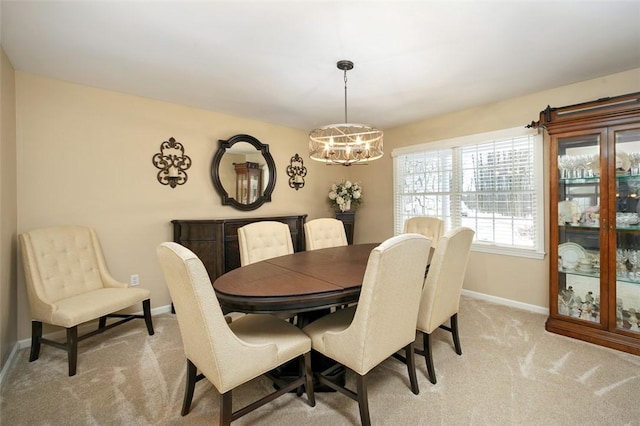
428,357
191,380
36,336
411,367
102,322
456,335
225,409
146,307
363,399
72,349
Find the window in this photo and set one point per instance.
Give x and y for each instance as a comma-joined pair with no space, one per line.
490,182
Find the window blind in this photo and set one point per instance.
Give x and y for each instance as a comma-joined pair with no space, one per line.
493,187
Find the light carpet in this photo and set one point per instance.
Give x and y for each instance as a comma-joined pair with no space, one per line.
512,372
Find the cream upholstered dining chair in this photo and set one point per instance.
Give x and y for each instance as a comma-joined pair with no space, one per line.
384,320
228,355
429,226
323,233
440,300
68,284
263,240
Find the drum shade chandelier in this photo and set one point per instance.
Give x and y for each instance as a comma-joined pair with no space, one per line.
345,143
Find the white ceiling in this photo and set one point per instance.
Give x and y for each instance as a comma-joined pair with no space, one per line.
275,61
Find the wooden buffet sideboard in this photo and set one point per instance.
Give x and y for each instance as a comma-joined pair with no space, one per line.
215,241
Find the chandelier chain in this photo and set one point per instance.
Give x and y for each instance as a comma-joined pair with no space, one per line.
346,120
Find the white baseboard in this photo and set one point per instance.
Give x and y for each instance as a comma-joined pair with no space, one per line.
506,302
60,334
8,364
161,310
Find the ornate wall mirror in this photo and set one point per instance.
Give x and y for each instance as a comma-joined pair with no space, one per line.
243,172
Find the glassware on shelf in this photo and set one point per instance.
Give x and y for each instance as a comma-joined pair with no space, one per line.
627,219
634,258
563,166
578,166
621,262
634,159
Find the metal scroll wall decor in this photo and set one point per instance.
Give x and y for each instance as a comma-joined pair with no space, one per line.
296,172
172,163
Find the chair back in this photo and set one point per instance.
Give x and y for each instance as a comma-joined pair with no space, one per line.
323,233
429,226
385,317
61,262
263,240
441,293
207,339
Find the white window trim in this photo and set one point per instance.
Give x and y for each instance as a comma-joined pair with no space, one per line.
484,247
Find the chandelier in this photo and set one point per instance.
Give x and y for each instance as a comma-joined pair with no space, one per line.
345,143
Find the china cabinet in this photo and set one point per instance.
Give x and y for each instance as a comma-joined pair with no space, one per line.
594,221
248,182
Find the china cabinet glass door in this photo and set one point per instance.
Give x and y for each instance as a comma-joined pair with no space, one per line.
254,183
579,236
627,235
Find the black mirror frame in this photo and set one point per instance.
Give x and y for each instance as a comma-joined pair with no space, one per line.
215,176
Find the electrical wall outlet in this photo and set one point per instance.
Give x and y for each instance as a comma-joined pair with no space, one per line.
134,279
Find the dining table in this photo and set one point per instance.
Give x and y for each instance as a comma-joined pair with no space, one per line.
305,283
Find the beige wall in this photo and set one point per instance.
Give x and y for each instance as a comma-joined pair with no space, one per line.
84,157
8,210
514,278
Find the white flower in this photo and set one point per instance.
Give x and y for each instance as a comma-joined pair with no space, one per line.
345,192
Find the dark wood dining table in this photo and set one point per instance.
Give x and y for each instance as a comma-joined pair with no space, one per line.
306,284
301,282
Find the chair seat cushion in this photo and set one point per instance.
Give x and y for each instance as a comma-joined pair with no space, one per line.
85,307
267,329
335,322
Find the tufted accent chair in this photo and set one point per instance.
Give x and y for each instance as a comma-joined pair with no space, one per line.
441,294
263,240
228,355
68,284
324,232
384,320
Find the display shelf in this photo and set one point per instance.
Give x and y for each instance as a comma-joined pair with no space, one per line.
598,206
581,226
595,273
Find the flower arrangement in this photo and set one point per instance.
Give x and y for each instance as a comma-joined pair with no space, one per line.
345,195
